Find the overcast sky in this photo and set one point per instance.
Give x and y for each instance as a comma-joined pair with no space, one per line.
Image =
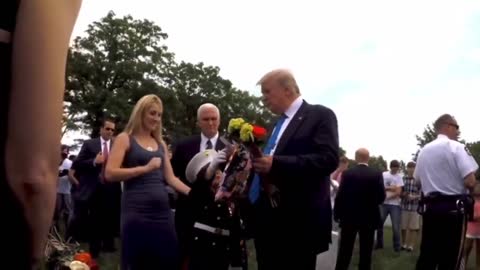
387,69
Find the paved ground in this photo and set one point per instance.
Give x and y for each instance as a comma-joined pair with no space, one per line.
326,260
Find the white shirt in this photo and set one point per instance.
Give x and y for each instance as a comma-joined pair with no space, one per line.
442,166
64,184
389,180
290,113
204,140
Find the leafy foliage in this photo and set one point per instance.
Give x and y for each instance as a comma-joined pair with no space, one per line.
122,59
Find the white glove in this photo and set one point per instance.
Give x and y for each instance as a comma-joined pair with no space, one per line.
220,158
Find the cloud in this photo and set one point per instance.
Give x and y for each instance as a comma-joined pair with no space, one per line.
387,68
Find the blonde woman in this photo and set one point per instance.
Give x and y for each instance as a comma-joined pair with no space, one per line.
139,158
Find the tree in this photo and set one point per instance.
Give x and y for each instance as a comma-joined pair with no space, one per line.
119,61
474,149
122,59
195,84
378,163
427,136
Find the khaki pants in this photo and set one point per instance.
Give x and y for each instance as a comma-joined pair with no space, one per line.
410,220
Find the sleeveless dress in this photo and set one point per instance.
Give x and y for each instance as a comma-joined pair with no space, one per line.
15,235
147,226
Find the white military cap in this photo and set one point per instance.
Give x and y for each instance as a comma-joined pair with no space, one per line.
199,161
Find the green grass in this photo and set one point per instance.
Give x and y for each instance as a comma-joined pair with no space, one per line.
382,259
386,258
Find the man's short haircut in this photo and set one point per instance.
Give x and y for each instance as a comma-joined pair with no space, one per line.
394,164
442,121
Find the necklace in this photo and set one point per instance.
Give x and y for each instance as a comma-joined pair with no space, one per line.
150,148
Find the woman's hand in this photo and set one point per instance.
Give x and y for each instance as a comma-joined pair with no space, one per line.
154,164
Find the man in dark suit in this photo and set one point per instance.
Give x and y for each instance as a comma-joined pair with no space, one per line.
291,198
357,209
96,203
208,120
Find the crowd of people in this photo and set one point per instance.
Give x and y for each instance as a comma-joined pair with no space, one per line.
201,229
442,192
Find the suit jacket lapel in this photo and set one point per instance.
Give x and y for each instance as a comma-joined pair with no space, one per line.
219,145
292,127
98,145
195,147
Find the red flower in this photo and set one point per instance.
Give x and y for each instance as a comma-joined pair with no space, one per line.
83,257
259,132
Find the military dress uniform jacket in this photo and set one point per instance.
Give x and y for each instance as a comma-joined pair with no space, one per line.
217,231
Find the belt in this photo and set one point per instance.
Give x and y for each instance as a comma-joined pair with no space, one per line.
441,203
211,229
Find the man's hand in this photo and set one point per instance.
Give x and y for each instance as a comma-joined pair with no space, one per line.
99,159
263,164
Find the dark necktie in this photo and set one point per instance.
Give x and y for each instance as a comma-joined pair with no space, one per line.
209,145
254,191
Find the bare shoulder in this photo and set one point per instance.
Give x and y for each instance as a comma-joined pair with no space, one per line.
122,140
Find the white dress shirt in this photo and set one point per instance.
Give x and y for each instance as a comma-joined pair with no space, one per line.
289,113
204,140
442,166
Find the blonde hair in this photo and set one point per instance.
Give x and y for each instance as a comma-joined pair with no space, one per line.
283,77
136,117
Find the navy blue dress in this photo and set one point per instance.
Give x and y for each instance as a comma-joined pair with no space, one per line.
147,230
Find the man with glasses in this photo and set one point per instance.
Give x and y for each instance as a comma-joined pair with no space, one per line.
446,171
96,203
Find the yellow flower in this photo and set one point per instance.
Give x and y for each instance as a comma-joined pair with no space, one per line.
246,132
235,124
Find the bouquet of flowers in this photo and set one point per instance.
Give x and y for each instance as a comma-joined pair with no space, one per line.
65,255
247,140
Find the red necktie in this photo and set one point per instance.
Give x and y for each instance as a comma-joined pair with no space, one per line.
105,152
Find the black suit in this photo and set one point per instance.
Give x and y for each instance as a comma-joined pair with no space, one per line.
182,153
357,208
96,204
292,234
